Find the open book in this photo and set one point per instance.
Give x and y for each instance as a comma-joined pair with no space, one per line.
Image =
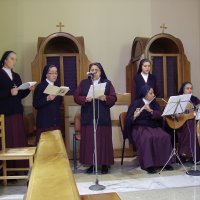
55,90
26,85
99,90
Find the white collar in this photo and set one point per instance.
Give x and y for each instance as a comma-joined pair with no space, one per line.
96,81
50,82
145,101
145,76
8,71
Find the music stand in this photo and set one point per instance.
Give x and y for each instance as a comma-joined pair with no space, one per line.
175,105
195,172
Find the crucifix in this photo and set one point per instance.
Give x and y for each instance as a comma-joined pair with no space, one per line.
163,28
60,25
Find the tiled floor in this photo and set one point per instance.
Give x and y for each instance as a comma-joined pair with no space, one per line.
130,182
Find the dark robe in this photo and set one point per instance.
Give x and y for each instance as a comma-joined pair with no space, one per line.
152,143
48,112
12,109
103,120
186,136
138,82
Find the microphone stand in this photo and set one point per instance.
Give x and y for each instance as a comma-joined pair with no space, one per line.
96,186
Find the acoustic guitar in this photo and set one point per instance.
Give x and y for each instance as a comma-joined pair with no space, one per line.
179,120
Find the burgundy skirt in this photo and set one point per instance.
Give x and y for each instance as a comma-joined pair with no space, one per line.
104,145
15,132
15,137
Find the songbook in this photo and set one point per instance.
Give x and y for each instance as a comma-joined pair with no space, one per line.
99,90
55,90
26,85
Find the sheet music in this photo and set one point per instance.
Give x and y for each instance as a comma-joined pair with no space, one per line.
26,85
99,90
176,104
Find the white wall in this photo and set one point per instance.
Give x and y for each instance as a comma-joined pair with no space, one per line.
108,27
182,17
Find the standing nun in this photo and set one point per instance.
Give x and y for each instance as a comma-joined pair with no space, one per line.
143,77
47,106
103,120
152,143
10,102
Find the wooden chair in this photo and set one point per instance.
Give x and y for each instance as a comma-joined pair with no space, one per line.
76,137
122,118
24,153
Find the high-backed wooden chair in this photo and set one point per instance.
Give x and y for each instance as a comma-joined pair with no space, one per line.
24,153
76,136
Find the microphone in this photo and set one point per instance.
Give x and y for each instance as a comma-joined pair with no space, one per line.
90,74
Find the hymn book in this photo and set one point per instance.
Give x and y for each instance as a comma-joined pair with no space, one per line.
55,90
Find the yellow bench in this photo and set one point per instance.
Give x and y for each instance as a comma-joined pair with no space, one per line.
51,176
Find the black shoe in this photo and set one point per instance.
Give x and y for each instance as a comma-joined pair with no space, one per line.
104,169
169,168
151,170
90,170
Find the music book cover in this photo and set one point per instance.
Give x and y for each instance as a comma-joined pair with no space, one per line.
55,90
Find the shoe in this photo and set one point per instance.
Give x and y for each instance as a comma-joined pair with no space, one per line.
90,170
151,170
169,168
104,169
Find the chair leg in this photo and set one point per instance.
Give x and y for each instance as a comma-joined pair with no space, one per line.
4,172
122,160
74,152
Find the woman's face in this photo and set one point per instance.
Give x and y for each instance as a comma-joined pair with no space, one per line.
188,89
52,74
10,61
150,95
146,67
96,71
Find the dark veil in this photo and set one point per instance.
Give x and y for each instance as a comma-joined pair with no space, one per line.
45,71
103,74
4,57
181,91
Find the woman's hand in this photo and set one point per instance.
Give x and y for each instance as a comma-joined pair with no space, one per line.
102,98
14,91
147,108
51,97
136,113
88,99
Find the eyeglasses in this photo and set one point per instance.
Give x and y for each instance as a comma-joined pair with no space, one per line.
53,73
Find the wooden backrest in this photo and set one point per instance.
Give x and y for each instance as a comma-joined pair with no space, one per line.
77,122
2,133
122,118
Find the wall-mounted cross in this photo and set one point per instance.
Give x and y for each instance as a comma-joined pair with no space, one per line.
163,28
60,25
